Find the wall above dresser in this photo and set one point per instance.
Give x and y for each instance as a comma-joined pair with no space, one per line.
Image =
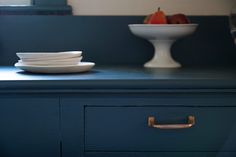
141,7
106,40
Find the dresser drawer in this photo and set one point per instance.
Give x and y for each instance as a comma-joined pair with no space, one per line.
125,129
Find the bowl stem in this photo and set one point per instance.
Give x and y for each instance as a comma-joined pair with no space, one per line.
162,56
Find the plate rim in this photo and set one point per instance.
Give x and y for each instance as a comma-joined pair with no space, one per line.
36,55
79,68
56,66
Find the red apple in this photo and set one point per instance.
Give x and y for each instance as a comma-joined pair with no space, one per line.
178,19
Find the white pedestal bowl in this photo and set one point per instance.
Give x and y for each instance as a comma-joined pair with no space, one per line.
162,37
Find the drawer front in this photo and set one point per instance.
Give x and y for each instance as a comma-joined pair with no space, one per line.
125,129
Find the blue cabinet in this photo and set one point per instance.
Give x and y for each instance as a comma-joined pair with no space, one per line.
122,129
29,126
106,124
72,125
105,113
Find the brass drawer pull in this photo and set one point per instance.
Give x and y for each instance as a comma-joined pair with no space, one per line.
191,122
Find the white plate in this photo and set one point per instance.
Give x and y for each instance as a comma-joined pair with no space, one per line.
48,55
67,61
81,67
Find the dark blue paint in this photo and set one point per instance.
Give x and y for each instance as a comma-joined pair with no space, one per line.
39,7
35,10
49,3
126,78
161,154
72,121
107,40
29,126
116,124
102,113
120,129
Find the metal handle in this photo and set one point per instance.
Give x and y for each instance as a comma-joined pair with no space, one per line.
191,122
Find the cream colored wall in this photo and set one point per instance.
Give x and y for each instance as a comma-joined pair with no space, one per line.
143,7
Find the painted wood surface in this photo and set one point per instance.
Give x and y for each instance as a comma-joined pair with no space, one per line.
81,102
125,129
37,7
49,3
107,40
61,119
72,120
119,78
116,124
161,154
29,126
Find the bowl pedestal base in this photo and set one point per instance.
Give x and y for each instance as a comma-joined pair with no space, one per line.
162,56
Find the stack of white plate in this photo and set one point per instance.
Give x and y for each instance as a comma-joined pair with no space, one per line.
56,62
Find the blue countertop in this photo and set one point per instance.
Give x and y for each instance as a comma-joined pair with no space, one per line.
119,78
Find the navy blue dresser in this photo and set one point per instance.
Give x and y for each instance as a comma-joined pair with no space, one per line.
106,112
119,108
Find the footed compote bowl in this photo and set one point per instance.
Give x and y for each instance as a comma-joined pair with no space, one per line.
162,36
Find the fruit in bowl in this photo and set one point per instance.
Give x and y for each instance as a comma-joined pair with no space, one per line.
159,17
162,31
178,19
